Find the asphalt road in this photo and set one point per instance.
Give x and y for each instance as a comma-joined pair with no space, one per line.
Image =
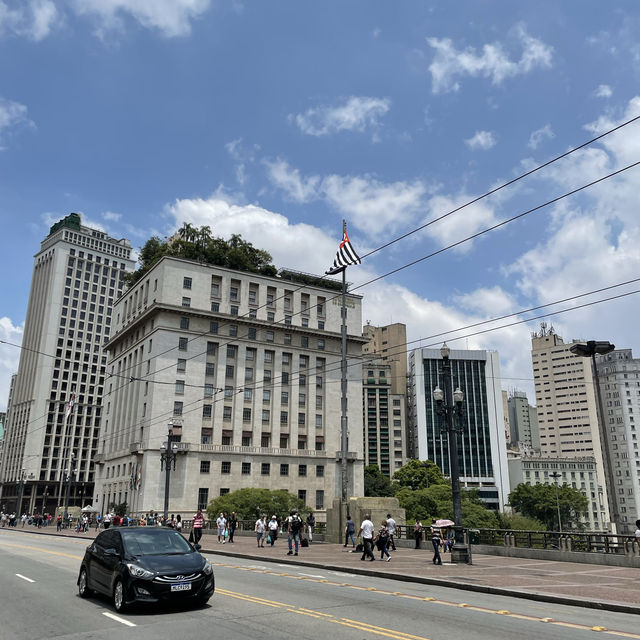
38,599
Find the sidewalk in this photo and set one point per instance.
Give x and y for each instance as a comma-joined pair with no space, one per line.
584,585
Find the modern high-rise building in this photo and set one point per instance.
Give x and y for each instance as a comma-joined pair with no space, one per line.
384,419
56,403
619,375
568,412
523,422
242,372
388,344
481,438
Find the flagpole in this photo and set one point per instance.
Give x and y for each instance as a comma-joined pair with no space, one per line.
343,385
65,455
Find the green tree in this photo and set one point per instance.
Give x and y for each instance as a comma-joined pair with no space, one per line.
417,474
249,504
518,522
539,501
376,484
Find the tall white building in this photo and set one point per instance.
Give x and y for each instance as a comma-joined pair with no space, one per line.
568,411
619,374
246,369
523,422
77,276
482,442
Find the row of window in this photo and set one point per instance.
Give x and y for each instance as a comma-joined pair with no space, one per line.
265,468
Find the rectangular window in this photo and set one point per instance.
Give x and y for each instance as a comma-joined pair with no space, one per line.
228,392
182,343
318,402
180,387
284,469
287,338
186,283
318,421
182,364
302,495
252,333
234,310
286,358
210,370
321,344
205,466
284,397
231,351
184,323
285,377
233,293
248,395
271,316
177,408
215,290
319,471
287,319
213,327
212,348
302,400
284,417
229,371
265,440
284,441
304,361
226,413
203,498
225,467
302,380
304,341
269,336
246,414
319,499
265,468
266,415
302,470
186,302
301,419
266,395
206,410
233,330
253,296
215,307
268,356
266,377
248,374
208,390
246,468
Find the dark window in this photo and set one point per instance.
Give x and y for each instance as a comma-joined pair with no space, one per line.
184,323
205,466
302,469
284,469
246,468
265,468
225,467
203,498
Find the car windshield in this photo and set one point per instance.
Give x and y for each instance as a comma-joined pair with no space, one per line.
142,543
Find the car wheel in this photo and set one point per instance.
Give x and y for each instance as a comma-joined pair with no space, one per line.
83,584
118,596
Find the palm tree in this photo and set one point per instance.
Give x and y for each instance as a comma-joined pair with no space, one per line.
187,232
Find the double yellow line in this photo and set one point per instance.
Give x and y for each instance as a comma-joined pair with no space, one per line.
327,617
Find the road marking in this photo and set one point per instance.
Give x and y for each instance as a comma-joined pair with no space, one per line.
311,575
24,577
53,553
113,616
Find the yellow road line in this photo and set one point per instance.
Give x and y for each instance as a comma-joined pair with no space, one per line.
49,551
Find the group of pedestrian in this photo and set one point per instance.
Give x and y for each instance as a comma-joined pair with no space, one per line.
383,539
226,526
299,532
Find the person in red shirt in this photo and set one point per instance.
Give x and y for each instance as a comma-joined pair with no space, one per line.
198,522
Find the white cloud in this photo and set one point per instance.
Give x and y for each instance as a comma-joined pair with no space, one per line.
111,216
13,116
375,207
494,63
9,356
170,17
603,91
356,114
296,187
242,156
488,301
481,140
537,136
33,20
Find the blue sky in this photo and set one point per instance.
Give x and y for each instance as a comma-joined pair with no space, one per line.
276,120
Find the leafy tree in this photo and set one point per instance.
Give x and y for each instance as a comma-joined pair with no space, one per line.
518,522
192,243
417,474
539,501
250,503
417,504
376,484
120,509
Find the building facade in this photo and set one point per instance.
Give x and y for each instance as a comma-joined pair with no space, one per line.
619,375
523,422
567,411
579,473
481,440
244,370
77,276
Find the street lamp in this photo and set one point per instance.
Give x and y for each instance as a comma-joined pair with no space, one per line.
589,350
71,472
555,475
449,407
45,495
168,455
21,483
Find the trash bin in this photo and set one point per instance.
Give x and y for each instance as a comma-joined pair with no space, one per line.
474,536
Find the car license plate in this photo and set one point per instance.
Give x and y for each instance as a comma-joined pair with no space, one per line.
181,586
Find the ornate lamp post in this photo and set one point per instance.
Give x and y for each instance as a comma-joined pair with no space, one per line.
556,476
589,350
449,407
71,472
45,495
168,455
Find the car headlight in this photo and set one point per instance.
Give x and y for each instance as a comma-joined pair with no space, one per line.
139,572
207,569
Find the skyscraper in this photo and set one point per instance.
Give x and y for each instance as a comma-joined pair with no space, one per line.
56,403
481,441
523,422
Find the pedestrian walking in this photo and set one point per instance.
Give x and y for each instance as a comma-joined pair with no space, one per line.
260,528
221,523
382,540
197,524
311,523
293,526
178,524
417,532
391,525
233,525
366,531
349,531
273,530
436,540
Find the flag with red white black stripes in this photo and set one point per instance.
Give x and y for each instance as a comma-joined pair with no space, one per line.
345,256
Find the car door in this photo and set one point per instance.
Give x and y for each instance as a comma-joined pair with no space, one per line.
102,556
112,559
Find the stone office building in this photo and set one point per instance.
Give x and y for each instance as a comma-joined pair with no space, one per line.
243,371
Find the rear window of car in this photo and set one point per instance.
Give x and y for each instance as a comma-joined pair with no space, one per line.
142,543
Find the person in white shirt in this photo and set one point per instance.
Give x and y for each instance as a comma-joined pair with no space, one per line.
221,522
391,525
260,528
638,533
273,530
366,531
